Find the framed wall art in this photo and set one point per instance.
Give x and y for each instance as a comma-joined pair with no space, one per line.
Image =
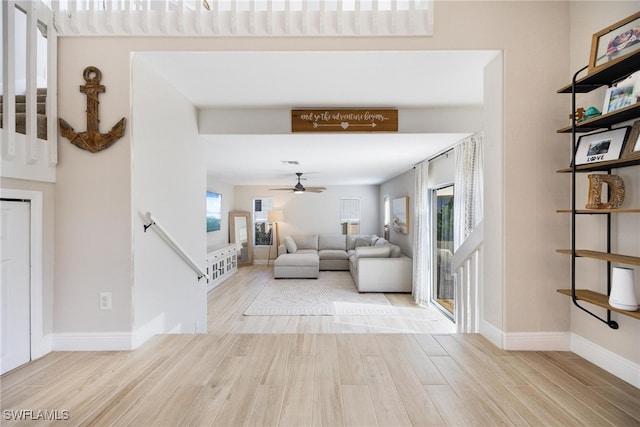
400,211
614,43
632,146
214,211
601,146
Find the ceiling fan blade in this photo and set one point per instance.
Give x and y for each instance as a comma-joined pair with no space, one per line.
282,189
315,189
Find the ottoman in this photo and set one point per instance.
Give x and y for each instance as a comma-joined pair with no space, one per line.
296,266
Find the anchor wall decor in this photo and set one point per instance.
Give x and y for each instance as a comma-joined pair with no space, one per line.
92,140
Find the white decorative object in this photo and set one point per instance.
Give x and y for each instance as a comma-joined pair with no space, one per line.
623,290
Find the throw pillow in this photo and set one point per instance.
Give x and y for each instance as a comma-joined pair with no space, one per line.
363,241
290,244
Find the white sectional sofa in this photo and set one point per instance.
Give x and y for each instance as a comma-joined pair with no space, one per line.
375,264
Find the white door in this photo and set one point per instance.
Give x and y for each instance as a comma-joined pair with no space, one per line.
15,325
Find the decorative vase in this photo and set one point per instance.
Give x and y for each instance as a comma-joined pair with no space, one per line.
623,290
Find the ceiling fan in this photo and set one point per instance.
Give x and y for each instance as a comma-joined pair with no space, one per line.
299,188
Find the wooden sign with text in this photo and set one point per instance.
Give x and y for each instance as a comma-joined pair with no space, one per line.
360,120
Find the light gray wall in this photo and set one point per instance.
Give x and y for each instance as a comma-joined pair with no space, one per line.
313,212
588,18
170,182
400,186
523,153
93,199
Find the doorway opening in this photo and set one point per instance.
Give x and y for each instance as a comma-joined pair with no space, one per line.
443,291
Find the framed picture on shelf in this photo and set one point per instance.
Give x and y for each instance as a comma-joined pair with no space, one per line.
632,146
615,43
601,146
622,94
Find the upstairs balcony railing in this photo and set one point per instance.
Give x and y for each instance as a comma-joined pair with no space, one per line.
244,17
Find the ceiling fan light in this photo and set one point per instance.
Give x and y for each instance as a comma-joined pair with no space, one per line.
298,191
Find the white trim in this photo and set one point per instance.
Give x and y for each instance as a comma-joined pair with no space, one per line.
147,331
611,362
493,334
536,341
92,341
39,344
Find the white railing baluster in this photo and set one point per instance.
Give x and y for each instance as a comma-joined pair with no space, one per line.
226,17
466,265
31,99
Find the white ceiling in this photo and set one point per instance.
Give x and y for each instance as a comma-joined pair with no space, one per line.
406,79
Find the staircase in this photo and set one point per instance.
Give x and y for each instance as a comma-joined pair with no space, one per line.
21,116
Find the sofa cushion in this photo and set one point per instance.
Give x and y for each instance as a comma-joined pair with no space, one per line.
306,241
373,252
395,251
381,241
290,244
332,241
332,254
307,251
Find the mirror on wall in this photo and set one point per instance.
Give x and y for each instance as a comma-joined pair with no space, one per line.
240,234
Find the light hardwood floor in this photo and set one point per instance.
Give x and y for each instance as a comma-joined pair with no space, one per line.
312,378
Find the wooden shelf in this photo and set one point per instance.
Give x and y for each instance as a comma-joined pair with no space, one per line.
600,300
603,256
605,76
603,166
598,211
606,120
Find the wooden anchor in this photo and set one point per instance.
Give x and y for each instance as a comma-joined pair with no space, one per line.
92,140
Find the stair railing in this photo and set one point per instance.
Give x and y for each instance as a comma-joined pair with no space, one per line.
466,265
153,222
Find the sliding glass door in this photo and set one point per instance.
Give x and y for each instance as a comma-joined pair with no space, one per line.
443,292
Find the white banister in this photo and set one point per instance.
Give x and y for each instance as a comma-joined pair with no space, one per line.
466,265
152,222
26,152
250,18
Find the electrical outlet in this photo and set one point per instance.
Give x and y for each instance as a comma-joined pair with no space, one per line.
105,300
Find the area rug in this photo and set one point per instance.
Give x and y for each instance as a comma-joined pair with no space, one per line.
331,294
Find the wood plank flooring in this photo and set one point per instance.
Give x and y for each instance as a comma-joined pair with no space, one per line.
272,378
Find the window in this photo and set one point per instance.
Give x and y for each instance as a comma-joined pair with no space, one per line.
350,215
262,227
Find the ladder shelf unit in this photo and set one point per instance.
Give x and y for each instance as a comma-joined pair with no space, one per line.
604,77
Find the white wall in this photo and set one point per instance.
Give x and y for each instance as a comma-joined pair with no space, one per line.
313,212
169,180
215,239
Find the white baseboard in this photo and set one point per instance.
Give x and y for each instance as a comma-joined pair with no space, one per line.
92,341
491,333
536,341
145,332
611,362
